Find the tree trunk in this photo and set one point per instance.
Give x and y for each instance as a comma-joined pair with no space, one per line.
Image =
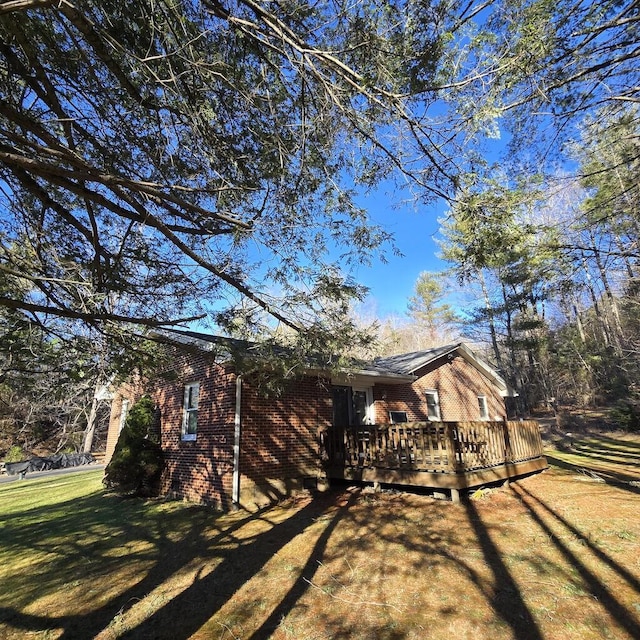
91,425
581,333
602,319
492,324
611,301
517,379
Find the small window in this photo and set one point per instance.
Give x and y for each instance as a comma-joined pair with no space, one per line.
190,411
397,416
433,404
484,409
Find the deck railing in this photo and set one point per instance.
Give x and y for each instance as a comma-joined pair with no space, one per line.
450,447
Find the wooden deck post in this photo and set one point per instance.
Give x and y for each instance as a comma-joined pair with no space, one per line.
508,454
452,446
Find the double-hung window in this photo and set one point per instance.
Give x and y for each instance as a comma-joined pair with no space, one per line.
433,404
190,411
484,408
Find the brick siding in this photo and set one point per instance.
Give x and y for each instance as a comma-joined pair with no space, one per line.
280,438
200,470
279,443
458,384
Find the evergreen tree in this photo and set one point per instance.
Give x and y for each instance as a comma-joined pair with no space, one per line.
137,462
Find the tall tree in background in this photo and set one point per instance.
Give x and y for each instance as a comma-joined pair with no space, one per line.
55,381
496,242
562,80
431,316
609,159
47,387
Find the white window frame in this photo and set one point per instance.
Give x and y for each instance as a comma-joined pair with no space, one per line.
436,404
189,408
483,407
370,408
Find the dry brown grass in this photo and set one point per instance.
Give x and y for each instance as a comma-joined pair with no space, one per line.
553,556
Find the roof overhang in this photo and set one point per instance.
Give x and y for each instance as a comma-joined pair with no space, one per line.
413,363
364,376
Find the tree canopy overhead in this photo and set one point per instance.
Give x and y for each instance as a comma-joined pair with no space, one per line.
163,160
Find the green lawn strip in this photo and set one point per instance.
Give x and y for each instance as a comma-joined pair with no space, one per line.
578,464
20,496
617,462
66,544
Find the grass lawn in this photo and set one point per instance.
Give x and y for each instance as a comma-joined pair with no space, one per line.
554,556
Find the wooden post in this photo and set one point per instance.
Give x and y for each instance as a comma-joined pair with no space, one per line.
373,444
507,441
452,446
423,447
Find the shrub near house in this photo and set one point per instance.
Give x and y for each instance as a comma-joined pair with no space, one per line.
137,462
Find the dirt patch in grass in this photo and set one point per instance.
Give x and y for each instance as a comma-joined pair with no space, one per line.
554,556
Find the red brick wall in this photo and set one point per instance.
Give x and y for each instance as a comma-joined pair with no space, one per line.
200,470
280,437
279,444
458,384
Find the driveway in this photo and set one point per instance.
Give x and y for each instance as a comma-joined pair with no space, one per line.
52,472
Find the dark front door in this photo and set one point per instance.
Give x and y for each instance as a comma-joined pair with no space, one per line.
350,411
341,406
349,406
336,448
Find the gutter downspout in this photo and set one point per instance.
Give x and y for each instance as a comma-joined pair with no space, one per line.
235,492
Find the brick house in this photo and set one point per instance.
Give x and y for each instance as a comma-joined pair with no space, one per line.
227,443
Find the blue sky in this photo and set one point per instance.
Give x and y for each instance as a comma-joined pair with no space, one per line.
415,228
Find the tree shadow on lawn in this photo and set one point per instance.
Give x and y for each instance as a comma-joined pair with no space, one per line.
382,529
543,516
169,542
505,598
304,579
200,601
620,451
96,535
591,469
381,539
88,537
85,539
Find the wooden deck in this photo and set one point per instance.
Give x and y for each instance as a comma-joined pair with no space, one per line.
442,455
